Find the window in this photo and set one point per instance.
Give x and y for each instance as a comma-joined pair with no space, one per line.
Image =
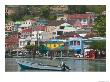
59,32
20,43
84,20
78,42
74,42
69,26
67,43
36,42
71,42
61,27
23,42
28,43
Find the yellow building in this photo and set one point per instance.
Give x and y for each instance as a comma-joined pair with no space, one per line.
54,45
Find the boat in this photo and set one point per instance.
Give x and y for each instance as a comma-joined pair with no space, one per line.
28,65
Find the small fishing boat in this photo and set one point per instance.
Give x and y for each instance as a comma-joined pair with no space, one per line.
39,66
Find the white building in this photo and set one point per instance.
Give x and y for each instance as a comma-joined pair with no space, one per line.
26,25
31,36
64,28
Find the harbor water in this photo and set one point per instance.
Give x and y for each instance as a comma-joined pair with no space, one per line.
98,65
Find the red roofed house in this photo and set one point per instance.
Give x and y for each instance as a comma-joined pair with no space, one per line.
25,37
12,41
78,24
32,35
82,20
26,25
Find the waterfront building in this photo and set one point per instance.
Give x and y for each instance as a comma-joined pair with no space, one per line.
55,44
76,44
73,43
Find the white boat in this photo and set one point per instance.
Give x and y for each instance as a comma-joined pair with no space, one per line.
38,66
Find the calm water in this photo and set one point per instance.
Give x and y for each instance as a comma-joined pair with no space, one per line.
75,65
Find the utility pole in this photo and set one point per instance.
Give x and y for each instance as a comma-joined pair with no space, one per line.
37,38
37,42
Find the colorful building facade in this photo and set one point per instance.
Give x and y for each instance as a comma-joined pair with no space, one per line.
74,43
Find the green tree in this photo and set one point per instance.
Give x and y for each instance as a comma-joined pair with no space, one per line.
52,17
32,50
45,12
77,9
43,49
26,17
98,9
98,45
100,25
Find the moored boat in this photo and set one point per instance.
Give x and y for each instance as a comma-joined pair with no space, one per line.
39,66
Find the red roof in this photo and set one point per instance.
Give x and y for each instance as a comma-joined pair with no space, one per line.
27,30
40,28
78,24
80,16
67,35
12,39
33,20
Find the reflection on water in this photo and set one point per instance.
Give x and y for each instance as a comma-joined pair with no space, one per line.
75,65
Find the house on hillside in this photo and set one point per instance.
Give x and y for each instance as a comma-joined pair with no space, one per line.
63,28
12,41
52,26
42,22
9,28
82,20
33,36
16,25
26,25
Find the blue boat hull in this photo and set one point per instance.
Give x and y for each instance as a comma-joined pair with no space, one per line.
24,67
